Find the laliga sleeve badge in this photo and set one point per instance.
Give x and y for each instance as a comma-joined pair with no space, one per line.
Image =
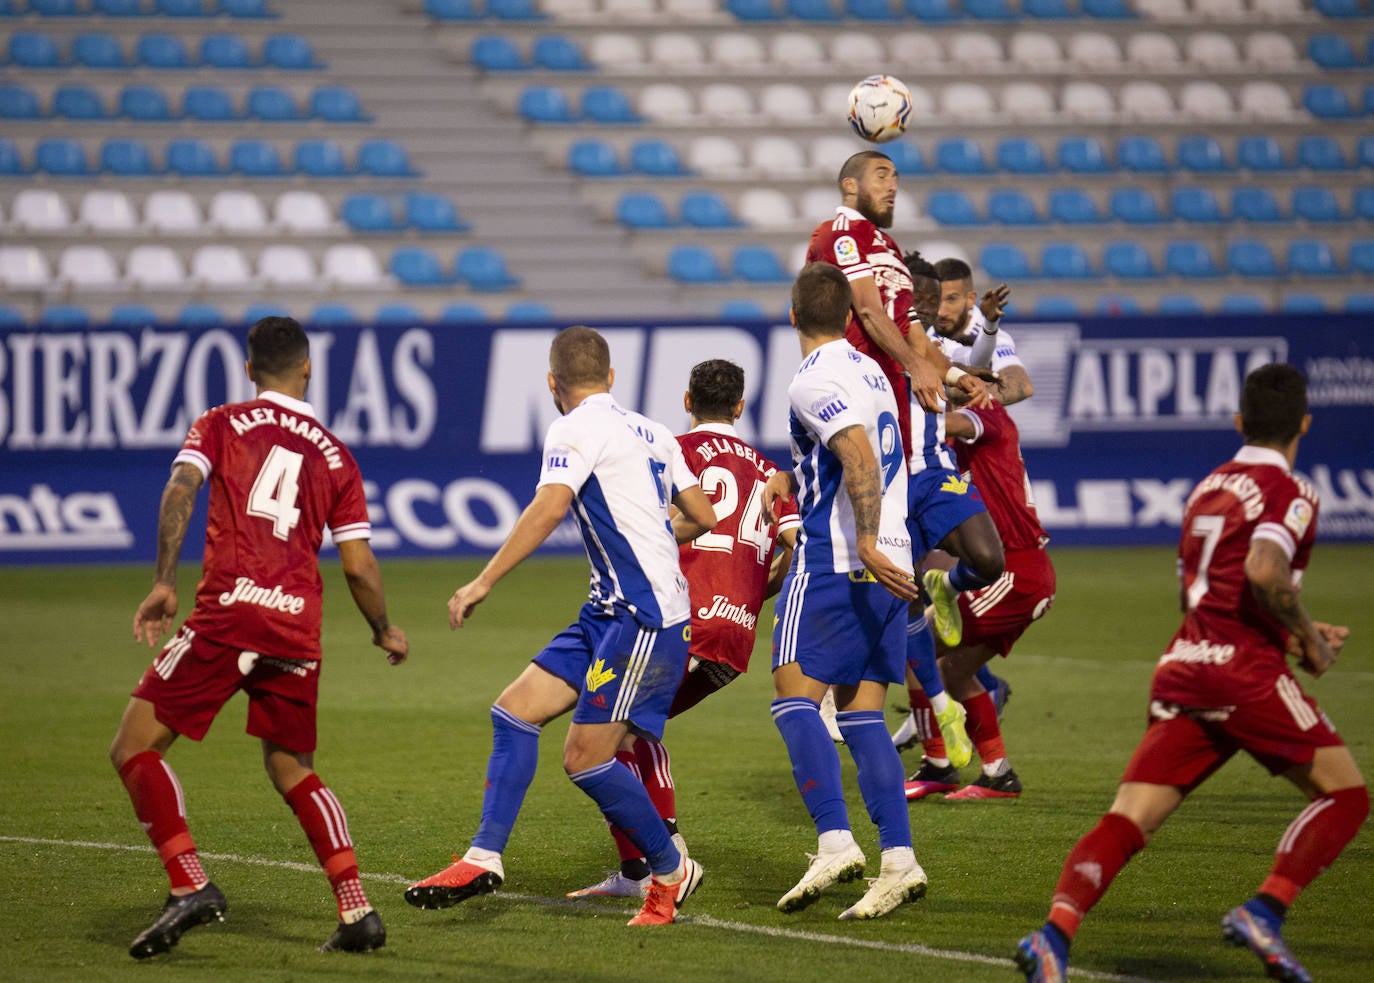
1299,517
846,251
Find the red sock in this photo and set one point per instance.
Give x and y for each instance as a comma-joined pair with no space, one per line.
623,844
655,771
1090,868
926,727
161,811
326,827
1314,840
983,729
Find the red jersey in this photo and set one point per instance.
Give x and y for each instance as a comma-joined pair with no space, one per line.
992,460
277,478
1230,650
861,249
727,568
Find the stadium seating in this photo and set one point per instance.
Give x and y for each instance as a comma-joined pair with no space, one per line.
690,263
484,269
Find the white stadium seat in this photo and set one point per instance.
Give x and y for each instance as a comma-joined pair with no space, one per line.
833,101
1277,9
570,9
1028,101
155,268
169,210
715,156
938,249
692,10
1035,49
40,210
777,156
818,204
1144,100
1087,101
629,9
236,211
1163,10
1153,50
288,266
790,50
917,48
673,49
725,101
1220,10
221,267
24,268
88,268
1211,49
974,49
787,103
766,208
828,154
922,104
967,102
1270,49
906,213
103,210
855,49
1205,102
1263,100
302,211
735,49
615,51
351,265
1092,49
665,102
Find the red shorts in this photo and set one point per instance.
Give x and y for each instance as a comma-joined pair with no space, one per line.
192,678
703,677
1183,746
997,615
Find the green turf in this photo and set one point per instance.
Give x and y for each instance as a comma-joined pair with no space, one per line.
406,748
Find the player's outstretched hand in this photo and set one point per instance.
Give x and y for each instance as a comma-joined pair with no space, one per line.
994,302
778,485
927,387
887,573
979,392
153,619
462,602
393,642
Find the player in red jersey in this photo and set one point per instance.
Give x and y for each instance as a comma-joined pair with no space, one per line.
730,572
277,478
988,450
1224,686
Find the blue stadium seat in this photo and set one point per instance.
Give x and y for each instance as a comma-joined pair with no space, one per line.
321,158
1260,152
1328,102
752,10
332,315
1021,155
143,102
1065,261
17,102
247,9
1362,205
1358,303
1109,9
811,10
739,309
1242,304
208,103
1319,152
10,161
558,53
1368,100
118,8
429,212
132,316
34,49
60,156
1189,258
1312,203
906,156
1302,303
201,315
1201,154
496,53
706,210
290,51
1142,155
384,158
130,158
1134,206
1082,155
1254,204
1117,305
1128,260
1312,257
1073,206
1047,9
11,318
657,158
757,264
162,51
960,155
182,8
950,206
368,213
54,8
608,104
1364,151
545,104
64,316
529,310
416,266
515,10
1010,206
191,158
272,104
1193,203
993,10
337,104
1332,51
256,312
1178,305
462,314
1340,8
225,51
97,51
484,269
1251,258
1362,256
692,263
1055,306
454,10
933,11
255,158
1004,261
870,10
594,158
395,315
642,210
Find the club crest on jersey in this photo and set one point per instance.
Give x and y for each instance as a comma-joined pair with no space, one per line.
598,675
1299,517
846,251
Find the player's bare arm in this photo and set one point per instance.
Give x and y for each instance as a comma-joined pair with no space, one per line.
864,484
959,426
782,562
780,484
925,363
1271,579
364,577
695,514
154,616
540,518
1013,385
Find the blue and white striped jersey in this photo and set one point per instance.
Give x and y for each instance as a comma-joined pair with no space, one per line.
624,470
838,387
928,436
958,348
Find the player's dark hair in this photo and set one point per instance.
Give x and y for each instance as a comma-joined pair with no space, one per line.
918,265
715,386
579,357
855,165
821,299
1272,404
276,346
952,268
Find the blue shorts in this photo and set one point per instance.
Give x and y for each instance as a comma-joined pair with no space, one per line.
840,628
624,672
937,502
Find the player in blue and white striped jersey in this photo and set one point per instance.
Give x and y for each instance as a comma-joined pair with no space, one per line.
967,330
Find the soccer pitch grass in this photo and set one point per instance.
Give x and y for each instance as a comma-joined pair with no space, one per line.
405,749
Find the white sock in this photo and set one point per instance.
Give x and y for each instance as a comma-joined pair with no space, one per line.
898,858
835,840
939,702
994,769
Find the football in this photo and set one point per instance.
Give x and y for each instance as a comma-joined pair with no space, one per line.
879,107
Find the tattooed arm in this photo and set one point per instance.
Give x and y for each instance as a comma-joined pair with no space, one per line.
1271,580
154,616
864,483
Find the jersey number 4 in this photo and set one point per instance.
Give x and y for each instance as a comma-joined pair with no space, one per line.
276,489
753,524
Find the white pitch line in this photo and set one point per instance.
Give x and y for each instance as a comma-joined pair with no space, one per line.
705,921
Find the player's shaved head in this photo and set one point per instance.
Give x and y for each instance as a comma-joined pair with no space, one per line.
716,386
855,166
277,347
1273,404
953,268
820,300
579,358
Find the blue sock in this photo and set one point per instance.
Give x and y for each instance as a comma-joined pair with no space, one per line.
880,774
920,655
510,769
815,762
963,577
986,677
1264,913
627,806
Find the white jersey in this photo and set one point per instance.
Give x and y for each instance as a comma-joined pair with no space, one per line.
929,450
838,387
624,470
956,349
